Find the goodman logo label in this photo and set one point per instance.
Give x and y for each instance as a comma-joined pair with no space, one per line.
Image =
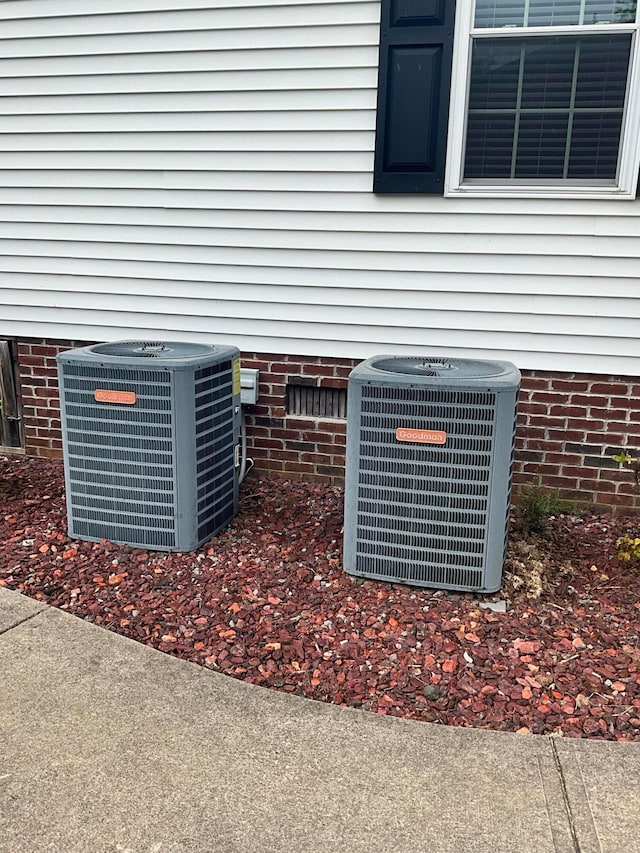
422,436
101,395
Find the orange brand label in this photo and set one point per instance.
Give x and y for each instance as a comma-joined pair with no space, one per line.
423,436
104,396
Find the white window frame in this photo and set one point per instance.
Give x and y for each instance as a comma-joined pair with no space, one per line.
629,163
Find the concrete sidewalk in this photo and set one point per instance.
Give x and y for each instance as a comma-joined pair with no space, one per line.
107,746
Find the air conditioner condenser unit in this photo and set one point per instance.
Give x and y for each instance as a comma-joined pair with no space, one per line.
430,445
150,436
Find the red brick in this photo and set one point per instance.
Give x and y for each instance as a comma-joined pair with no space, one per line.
316,370
316,436
598,485
330,469
48,452
296,422
342,371
628,428
265,356
316,458
532,384
549,397
523,478
335,426
568,385
585,423
577,495
579,471
559,482
541,468
339,361
269,380
284,369
563,458
302,446
291,455
45,350
39,442
299,467
605,439
609,388
565,435
629,488
253,430
588,400
332,382
590,485
567,411
537,421
626,403
326,448
303,359
544,444
527,431
619,475
287,434
609,414
272,464
268,443
615,500
267,399
30,360
532,408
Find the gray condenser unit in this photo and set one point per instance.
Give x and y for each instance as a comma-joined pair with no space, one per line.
150,432
430,446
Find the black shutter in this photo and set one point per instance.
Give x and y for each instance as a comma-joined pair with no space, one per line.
416,47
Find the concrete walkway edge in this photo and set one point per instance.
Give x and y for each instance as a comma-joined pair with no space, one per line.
108,746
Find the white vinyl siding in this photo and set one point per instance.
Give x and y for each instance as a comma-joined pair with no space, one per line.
206,174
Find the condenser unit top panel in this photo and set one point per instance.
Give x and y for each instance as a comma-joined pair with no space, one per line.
436,370
151,354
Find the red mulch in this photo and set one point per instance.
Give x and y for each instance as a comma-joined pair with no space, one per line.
267,601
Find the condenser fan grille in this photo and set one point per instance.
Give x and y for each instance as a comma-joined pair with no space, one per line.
458,369
120,456
152,349
214,448
458,471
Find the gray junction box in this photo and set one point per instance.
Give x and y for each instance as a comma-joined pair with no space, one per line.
430,444
150,431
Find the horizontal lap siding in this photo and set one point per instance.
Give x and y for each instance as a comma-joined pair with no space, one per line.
206,174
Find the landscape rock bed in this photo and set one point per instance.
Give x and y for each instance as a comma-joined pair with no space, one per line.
267,601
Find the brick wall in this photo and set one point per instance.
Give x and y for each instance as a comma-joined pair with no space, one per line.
569,425
304,447
39,394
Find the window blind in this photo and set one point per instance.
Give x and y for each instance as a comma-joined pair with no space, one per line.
546,107
543,13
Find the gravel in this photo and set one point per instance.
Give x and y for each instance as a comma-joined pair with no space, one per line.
268,601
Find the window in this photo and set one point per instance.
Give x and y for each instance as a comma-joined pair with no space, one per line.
542,96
